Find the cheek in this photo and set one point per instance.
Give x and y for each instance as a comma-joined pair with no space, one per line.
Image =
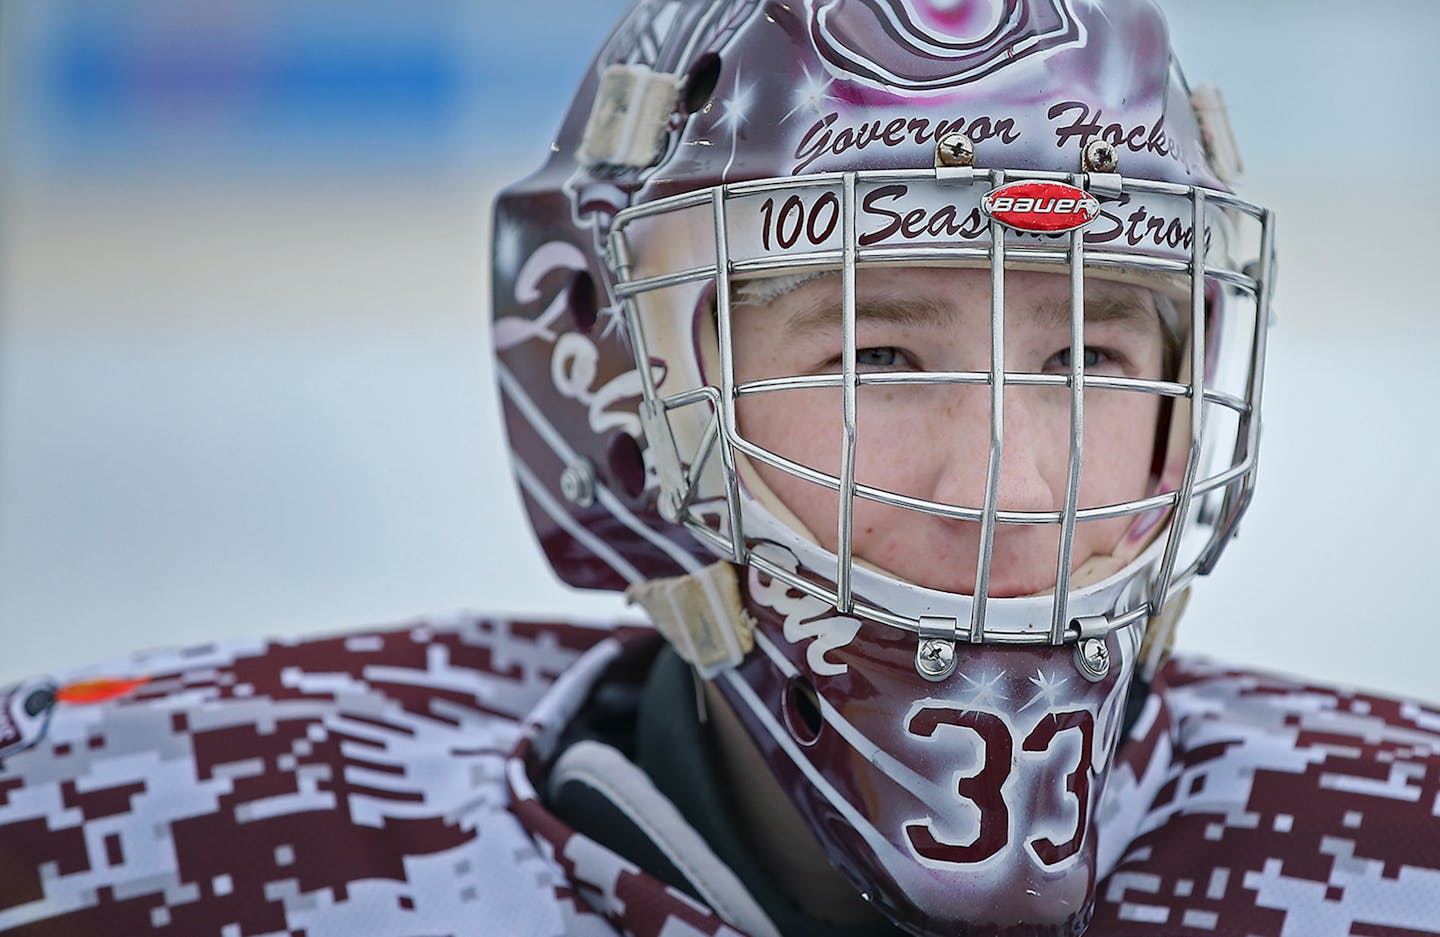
1120,435
901,443
803,427
800,425
807,427
1120,432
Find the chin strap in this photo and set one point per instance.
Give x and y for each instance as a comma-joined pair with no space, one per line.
1160,637
700,615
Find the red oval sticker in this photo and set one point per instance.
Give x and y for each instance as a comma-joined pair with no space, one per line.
1041,207
98,691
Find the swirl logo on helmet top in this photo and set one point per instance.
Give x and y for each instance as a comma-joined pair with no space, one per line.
933,45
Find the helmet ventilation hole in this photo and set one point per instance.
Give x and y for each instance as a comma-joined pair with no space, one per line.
582,302
700,83
802,711
627,463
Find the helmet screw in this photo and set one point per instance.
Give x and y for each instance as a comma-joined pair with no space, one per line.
954,149
1100,156
935,659
1092,659
39,700
577,483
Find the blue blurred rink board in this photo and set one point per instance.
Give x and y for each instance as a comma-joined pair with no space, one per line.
136,84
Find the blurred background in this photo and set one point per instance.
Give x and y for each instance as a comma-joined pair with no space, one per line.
244,379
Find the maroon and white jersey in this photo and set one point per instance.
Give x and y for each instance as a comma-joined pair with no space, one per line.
385,784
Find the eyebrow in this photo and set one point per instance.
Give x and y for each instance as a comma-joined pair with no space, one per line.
825,318
1125,311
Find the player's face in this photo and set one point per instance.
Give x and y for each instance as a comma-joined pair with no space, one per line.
933,442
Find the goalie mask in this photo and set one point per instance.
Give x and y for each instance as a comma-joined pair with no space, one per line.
897,356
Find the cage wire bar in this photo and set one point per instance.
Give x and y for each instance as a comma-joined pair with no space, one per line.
1237,479
1060,619
1160,589
1247,443
997,422
725,414
845,541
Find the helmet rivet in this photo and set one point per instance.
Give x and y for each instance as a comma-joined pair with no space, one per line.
577,483
935,659
1092,659
954,149
1100,156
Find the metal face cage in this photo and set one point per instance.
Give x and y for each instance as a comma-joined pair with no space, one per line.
1219,472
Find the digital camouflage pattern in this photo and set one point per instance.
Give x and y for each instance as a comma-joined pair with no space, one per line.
384,783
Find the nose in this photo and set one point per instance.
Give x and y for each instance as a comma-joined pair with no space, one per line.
1034,451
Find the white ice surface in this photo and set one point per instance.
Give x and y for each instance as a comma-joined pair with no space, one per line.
248,407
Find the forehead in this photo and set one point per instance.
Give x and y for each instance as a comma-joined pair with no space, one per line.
946,297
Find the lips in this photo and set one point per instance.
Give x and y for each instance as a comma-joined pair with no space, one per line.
1023,559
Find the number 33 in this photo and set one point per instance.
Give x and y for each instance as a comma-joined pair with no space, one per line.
983,787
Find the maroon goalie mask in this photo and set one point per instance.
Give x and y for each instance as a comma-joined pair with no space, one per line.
929,319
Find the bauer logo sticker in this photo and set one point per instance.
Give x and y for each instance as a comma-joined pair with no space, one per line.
1041,207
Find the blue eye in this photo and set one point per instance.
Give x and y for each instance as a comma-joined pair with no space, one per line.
877,357
1061,359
